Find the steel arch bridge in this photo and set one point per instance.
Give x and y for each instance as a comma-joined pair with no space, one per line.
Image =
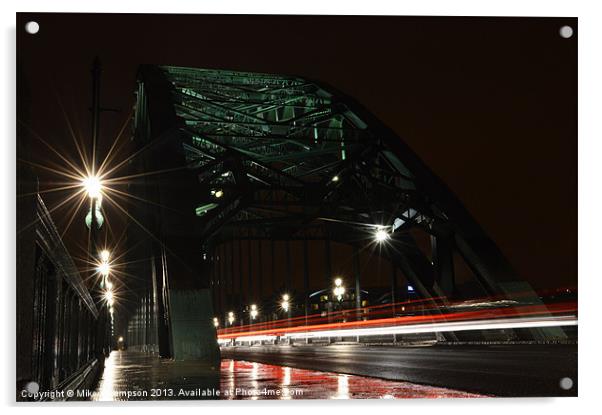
291,158
277,157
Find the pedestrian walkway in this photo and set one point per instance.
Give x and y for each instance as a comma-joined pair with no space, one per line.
138,376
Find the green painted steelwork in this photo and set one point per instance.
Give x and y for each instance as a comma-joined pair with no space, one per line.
284,158
273,144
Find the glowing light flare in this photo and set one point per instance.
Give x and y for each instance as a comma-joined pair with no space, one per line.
93,186
110,298
103,269
254,311
338,290
105,255
381,235
231,317
285,304
215,322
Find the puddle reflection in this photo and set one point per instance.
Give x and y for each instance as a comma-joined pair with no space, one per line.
252,380
107,383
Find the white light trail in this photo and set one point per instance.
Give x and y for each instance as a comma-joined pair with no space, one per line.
444,327
491,324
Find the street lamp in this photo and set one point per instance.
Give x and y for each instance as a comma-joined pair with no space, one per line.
338,290
253,311
216,322
231,317
104,269
105,255
217,193
381,234
285,302
93,186
108,295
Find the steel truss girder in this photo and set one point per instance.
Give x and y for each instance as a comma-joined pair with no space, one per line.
298,151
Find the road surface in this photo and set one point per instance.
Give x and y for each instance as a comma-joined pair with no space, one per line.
500,370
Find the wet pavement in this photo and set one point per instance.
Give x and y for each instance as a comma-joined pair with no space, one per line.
134,376
139,376
254,380
500,370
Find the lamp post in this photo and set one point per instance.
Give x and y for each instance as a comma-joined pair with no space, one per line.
285,304
93,187
231,320
338,291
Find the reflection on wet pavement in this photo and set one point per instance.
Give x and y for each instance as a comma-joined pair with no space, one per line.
251,380
140,376
132,376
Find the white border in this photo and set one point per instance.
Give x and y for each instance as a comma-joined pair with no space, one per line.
590,207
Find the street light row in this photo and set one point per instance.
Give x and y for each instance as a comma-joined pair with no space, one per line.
285,303
93,187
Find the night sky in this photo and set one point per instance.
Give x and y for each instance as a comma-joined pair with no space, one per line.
490,104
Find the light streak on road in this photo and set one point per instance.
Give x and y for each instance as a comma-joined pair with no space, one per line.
534,316
494,324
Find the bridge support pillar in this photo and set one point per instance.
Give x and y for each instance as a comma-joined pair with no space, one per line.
193,334
443,261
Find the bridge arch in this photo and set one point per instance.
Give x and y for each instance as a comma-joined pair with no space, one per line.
275,160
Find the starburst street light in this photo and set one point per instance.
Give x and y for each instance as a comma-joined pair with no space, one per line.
105,255
254,311
93,186
103,269
231,317
285,302
338,290
381,234
108,296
